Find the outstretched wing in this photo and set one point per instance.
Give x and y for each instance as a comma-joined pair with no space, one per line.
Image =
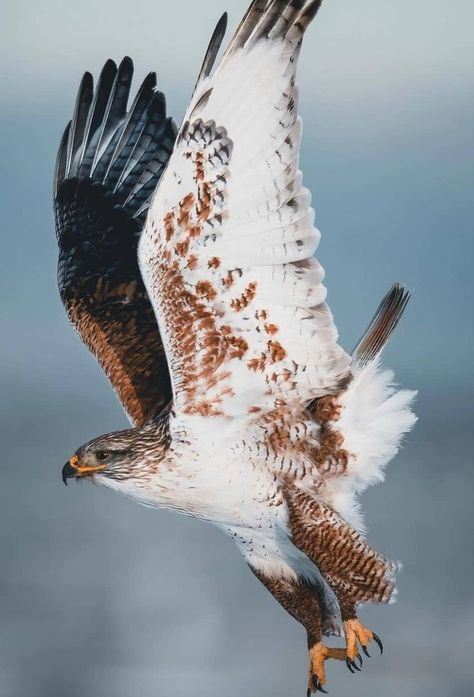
227,251
109,164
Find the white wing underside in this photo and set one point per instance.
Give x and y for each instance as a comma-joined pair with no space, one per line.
227,252
227,256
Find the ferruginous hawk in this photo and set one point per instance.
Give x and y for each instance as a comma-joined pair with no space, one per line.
186,264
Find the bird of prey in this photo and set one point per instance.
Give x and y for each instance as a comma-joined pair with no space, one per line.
186,264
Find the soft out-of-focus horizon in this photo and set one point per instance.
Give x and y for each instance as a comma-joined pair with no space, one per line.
101,597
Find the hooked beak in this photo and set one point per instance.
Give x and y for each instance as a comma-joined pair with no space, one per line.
68,472
73,470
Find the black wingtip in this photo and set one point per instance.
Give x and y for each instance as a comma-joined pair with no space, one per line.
86,88
82,106
127,63
274,19
213,49
125,71
249,22
222,24
60,168
105,135
88,80
308,14
109,66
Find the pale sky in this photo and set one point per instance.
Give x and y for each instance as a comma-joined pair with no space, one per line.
354,48
102,598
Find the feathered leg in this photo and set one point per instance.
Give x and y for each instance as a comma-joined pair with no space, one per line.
355,572
301,601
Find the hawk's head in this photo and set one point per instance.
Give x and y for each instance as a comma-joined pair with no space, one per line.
119,457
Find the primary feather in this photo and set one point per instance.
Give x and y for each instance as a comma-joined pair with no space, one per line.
108,166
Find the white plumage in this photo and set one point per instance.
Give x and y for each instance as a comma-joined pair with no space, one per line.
248,262
259,229
274,429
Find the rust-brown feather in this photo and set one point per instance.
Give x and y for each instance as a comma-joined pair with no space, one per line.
352,568
110,162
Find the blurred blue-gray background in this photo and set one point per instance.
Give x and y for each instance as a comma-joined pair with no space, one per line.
102,598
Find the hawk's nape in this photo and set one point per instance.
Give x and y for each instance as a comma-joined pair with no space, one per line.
109,164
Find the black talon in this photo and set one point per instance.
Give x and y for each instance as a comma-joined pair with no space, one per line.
364,649
317,685
355,666
308,694
359,657
378,642
349,665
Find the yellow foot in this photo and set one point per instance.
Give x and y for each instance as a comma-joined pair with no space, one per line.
356,634
318,655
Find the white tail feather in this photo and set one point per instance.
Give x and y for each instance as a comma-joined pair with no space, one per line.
374,420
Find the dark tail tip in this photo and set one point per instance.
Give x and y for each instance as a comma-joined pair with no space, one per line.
382,327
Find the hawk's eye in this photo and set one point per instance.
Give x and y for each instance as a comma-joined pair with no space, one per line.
102,455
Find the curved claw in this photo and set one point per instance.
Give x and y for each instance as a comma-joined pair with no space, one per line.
364,649
308,693
361,662
317,685
378,642
349,665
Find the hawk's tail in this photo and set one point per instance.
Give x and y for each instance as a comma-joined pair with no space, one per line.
375,415
381,328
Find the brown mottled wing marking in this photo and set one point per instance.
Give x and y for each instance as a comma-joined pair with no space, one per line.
197,348
227,252
110,162
352,568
